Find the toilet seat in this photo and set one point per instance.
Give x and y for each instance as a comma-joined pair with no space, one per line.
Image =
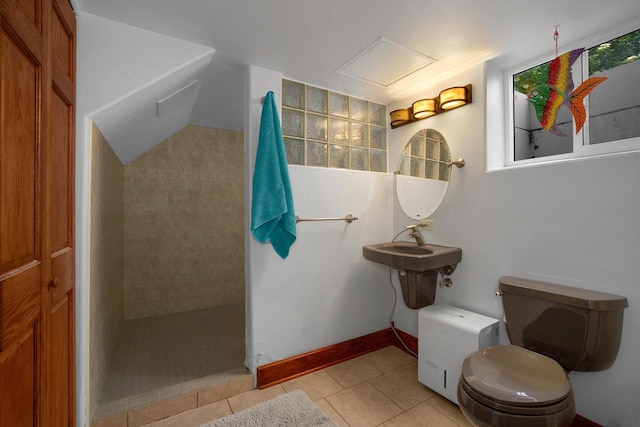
514,376
512,386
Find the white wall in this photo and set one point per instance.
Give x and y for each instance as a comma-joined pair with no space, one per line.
572,222
324,292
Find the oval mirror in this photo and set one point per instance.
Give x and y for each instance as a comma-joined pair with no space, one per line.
423,174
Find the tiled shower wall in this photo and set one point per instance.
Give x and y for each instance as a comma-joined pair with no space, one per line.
107,217
183,224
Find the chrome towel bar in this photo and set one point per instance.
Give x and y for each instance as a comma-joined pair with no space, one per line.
348,218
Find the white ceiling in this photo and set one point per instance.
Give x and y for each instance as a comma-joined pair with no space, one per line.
309,40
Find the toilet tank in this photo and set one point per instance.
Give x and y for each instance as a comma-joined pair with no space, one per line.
578,328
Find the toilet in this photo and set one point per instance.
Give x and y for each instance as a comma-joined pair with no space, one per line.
553,329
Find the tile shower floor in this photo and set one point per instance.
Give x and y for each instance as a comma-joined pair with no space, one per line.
165,356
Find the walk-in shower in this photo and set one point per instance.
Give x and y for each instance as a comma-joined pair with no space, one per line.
167,268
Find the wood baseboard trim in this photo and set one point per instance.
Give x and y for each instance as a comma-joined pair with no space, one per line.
296,366
410,341
580,421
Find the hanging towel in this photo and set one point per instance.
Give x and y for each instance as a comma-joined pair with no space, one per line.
272,215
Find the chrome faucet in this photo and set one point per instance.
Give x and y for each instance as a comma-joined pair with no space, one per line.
416,234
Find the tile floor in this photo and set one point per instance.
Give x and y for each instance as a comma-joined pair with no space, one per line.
161,357
378,389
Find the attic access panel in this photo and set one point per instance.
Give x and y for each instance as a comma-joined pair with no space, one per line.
384,63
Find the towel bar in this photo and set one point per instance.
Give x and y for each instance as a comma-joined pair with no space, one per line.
347,218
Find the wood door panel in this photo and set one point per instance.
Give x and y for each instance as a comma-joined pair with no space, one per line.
62,273
24,25
31,9
62,38
60,365
63,85
18,381
19,304
20,207
60,187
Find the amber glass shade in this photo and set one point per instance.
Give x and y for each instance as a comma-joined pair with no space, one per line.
399,117
448,99
454,97
424,108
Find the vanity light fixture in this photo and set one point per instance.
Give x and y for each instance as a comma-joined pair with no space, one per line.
448,99
400,117
455,97
424,108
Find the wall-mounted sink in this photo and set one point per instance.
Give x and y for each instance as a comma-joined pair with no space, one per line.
418,267
410,256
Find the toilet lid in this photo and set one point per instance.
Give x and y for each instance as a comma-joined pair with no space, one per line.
516,376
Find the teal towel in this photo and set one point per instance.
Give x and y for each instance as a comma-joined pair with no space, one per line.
272,215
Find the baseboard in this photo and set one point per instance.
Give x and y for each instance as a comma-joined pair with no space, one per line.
409,341
580,421
296,366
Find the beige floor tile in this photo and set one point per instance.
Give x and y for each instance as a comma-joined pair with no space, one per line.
328,410
241,383
450,409
164,409
422,415
402,386
251,398
316,385
363,405
353,371
389,358
119,420
200,415
159,423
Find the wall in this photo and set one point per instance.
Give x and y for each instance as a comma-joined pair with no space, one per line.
183,226
571,222
324,292
615,109
107,186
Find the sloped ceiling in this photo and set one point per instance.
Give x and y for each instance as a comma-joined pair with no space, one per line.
124,70
310,40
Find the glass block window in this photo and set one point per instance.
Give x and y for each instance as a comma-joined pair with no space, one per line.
426,155
330,129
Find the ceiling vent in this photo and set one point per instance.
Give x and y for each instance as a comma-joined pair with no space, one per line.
384,62
176,98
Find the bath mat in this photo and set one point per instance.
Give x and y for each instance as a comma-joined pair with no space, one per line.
287,410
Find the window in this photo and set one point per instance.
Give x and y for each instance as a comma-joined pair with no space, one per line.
329,129
612,106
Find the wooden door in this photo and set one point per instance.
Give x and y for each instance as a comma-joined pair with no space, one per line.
59,148
37,96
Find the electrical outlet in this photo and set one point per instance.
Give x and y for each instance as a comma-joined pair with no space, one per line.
426,224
